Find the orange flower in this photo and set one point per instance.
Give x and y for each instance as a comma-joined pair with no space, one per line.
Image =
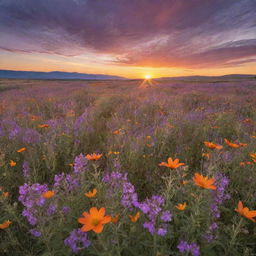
94,220
43,126
92,193
93,156
115,219
204,182
48,194
243,144
5,194
135,217
215,127
245,212
184,182
173,164
253,155
246,163
117,132
34,118
212,145
21,150
230,144
5,224
254,136
12,163
206,155
181,207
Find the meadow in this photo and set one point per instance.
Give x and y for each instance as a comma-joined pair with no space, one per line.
103,168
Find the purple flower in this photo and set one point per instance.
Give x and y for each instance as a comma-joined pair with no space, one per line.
77,240
161,231
185,247
166,216
65,210
35,232
51,209
80,163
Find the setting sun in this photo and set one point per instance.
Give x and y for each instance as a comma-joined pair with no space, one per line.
147,77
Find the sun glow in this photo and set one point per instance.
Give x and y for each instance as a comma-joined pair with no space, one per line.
147,77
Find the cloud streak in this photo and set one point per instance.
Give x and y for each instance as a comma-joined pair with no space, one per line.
155,33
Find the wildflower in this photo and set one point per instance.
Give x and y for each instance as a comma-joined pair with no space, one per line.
212,145
115,219
92,193
93,156
184,182
48,194
173,164
135,217
254,136
79,163
206,155
246,163
185,247
12,163
21,150
253,155
77,240
43,126
5,224
245,212
35,232
94,220
5,194
181,207
204,182
117,132
234,145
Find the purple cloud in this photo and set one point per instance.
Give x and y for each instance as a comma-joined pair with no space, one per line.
194,33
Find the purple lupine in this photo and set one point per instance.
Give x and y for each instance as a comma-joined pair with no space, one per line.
77,241
31,198
35,232
31,136
66,182
185,247
118,180
218,197
65,210
152,207
80,163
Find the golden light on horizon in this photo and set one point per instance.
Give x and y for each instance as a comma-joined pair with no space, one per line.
147,77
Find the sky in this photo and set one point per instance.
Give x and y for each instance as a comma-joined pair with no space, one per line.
129,38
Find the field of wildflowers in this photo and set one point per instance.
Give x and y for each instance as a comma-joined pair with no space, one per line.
104,168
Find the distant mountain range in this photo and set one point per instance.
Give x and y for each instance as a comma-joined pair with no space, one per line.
54,75
200,78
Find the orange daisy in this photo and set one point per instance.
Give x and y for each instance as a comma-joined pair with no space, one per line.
94,220
212,145
173,164
21,150
181,207
245,212
12,163
115,219
43,126
48,194
5,224
204,182
92,193
135,217
93,156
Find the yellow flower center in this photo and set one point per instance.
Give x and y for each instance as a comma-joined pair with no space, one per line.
95,222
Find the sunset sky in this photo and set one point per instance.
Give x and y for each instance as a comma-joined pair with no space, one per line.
130,38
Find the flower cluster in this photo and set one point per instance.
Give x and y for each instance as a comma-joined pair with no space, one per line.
158,218
31,198
185,247
118,180
77,240
80,163
67,182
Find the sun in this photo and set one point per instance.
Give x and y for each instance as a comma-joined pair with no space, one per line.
147,77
